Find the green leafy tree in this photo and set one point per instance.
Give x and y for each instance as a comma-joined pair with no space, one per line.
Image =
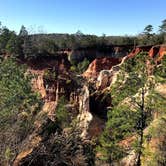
162,30
159,157
147,37
81,66
27,43
4,38
14,45
23,32
29,48
47,46
10,43
148,30
161,70
119,126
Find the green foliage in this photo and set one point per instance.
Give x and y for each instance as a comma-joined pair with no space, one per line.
23,32
47,46
131,111
4,37
62,114
50,75
15,89
29,48
68,82
147,37
158,133
10,42
162,30
7,154
120,125
82,66
135,101
13,46
110,152
125,120
72,68
18,105
132,76
163,27
34,45
148,29
160,71
117,89
156,130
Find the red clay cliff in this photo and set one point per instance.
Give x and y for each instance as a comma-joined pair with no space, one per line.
100,64
157,51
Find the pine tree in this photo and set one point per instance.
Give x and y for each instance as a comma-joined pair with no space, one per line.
18,106
162,30
14,45
131,112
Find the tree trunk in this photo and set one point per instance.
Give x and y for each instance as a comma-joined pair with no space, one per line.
142,125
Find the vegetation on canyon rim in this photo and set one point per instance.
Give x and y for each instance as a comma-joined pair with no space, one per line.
26,46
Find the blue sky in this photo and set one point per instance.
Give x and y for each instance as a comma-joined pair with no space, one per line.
111,17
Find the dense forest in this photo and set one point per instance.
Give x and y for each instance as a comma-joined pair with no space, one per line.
53,114
24,44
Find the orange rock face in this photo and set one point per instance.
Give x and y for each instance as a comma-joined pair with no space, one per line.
100,64
154,52
138,49
162,52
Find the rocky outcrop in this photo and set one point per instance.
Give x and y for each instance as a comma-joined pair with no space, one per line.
104,79
85,116
138,49
38,82
162,52
28,148
102,71
121,51
161,89
100,64
156,52
53,80
107,77
50,89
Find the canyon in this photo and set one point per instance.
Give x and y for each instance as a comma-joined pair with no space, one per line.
87,94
